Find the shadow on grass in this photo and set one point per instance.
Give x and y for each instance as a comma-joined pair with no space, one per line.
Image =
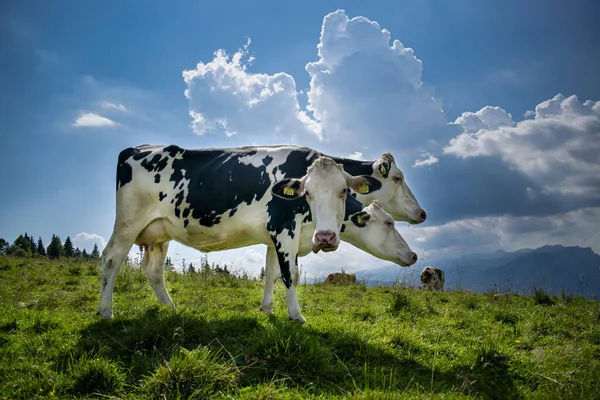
318,361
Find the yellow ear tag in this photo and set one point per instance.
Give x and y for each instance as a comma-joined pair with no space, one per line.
363,189
382,169
288,191
359,219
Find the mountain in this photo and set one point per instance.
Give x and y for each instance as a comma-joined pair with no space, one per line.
556,269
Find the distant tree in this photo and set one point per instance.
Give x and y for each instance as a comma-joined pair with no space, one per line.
168,263
41,250
55,248
3,246
33,246
95,252
21,243
191,269
77,253
69,250
261,276
84,254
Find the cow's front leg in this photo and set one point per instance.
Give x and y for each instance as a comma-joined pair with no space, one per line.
272,273
286,247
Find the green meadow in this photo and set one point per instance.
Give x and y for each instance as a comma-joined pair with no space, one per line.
359,342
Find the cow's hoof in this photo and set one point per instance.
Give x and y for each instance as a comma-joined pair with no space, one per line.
105,315
267,310
299,319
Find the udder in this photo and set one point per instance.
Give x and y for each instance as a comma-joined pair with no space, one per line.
153,236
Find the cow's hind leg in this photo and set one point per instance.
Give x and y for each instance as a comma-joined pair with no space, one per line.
272,273
154,266
113,256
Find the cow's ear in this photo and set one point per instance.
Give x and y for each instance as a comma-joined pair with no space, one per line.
383,166
361,219
365,184
288,189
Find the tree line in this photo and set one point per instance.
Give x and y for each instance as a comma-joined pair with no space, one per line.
26,246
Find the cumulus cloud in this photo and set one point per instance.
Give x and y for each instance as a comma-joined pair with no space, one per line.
366,90
225,98
86,241
92,120
559,148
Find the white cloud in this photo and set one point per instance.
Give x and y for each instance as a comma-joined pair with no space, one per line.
113,106
86,241
559,148
357,155
365,90
430,160
92,120
225,98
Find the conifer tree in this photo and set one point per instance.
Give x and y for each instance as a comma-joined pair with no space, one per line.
41,250
55,248
3,246
84,254
95,252
77,253
33,246
69,250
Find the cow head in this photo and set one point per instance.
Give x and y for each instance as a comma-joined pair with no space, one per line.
325,187
373,230
394,195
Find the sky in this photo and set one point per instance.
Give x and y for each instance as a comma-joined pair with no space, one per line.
491,109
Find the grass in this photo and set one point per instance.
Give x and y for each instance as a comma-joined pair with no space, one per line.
359,343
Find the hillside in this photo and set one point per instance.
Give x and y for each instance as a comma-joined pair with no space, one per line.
359,343
576,270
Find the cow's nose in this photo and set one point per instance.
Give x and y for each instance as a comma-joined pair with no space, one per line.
325,237
414,257
423,215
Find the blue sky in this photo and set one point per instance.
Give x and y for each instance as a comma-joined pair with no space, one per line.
471,112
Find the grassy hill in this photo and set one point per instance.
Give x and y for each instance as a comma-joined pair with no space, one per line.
359,343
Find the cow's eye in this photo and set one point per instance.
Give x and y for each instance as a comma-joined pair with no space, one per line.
307,194
343,193
389,224
397,179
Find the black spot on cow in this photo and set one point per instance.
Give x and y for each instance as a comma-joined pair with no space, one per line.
173,150
225,181
104,283
140,154
355,167
282,214
284,264
157,163
161,196
267,160
186,222
157,178
232,212
124,170
297,162
343,229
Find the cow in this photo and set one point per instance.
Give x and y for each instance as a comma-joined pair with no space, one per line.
432,278
394,196
218,199
338,277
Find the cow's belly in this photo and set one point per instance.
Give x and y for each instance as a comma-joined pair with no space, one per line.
245,229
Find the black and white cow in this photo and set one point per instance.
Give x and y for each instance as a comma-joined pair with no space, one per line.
217,199
394,196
